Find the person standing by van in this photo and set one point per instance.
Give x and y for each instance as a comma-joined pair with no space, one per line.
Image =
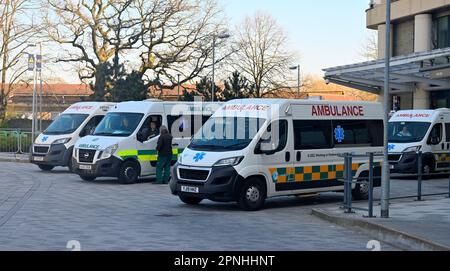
164,148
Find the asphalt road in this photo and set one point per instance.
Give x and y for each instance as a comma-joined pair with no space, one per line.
45,210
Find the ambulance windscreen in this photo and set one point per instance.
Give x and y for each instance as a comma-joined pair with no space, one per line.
118,124
65,124
226,133
407,132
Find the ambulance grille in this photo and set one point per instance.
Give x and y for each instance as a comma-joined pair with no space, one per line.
86,156
394,157
193,174
40,149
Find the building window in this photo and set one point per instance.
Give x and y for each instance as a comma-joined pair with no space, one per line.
442,33
439,99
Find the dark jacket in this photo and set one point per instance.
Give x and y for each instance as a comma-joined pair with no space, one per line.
164,146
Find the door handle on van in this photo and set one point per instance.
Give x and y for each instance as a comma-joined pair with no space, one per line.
288,156
175,144
299,156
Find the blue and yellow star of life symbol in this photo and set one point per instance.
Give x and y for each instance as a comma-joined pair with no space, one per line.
45,138
391,147
339,134
199,156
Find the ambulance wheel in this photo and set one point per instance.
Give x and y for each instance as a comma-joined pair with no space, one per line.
45,167
361,190
128,173
190,200
87,178
252,195
69,165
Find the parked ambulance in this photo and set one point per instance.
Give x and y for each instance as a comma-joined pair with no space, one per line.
54,146
411,131
124,143
252,149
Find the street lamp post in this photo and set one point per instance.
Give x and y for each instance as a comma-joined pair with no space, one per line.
298,78
178,86
32,67
215,37
385,178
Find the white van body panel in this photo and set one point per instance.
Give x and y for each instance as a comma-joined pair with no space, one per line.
143,152
400,152
92,109
327,162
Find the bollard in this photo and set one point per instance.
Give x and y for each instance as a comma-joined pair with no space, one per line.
419,176
371,185
345,180
349,179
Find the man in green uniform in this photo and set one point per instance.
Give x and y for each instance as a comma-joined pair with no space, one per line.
164,148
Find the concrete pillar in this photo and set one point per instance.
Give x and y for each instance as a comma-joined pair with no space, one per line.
423,29
382,40
381,49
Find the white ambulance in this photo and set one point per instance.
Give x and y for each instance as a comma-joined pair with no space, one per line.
252,149
54,146
124,143
427,131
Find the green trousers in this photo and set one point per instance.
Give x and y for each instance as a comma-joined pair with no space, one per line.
163,169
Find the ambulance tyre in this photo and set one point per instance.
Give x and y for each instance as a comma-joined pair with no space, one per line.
252,195
129,172
45,167
361,190
190,200
69,165
87,178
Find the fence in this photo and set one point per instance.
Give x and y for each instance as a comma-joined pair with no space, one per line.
15,141
349,179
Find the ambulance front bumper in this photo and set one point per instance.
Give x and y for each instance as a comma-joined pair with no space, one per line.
217,184
51,155
403,162
102,168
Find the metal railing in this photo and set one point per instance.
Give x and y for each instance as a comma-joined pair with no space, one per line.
349,179
420,177
15,141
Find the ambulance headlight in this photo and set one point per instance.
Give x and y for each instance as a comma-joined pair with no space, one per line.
412,149
62,140
109,151
233,161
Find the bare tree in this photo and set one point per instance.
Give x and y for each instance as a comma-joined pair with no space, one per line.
179,40
170,37
15,34
99,30
369,49
263,57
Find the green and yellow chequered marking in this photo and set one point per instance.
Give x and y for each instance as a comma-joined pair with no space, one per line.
311,173
146,155
442,157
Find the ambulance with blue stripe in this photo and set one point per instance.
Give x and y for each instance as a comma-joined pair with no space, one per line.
54,146
124,143
414,131
253,149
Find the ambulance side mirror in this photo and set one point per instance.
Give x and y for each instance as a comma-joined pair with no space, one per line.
143,134
265,147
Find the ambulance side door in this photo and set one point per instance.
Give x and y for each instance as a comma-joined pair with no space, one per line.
437,147
146,144
278,162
